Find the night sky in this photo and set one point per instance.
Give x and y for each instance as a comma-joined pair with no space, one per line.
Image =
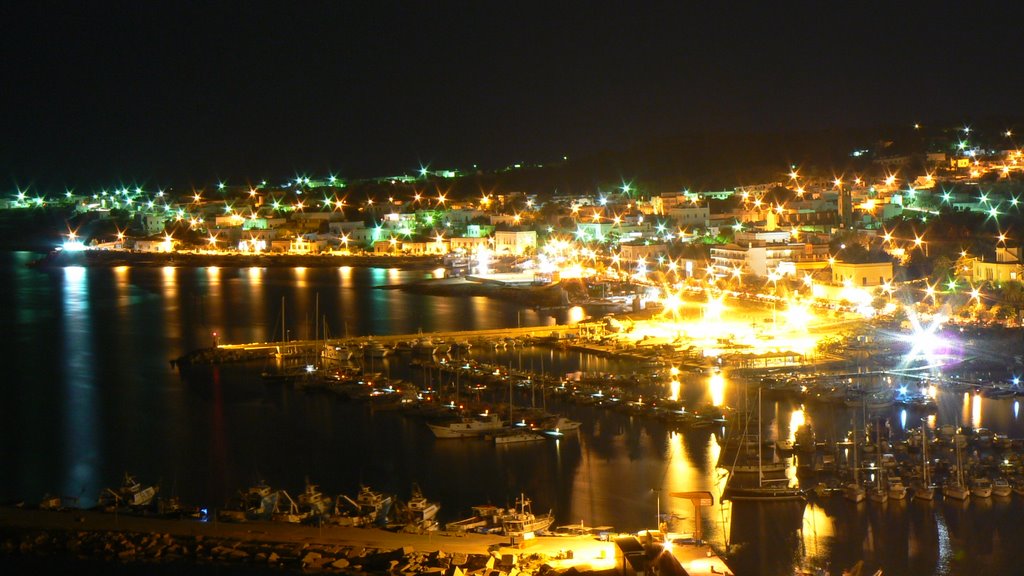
178,92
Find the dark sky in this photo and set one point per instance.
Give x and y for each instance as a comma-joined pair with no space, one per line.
179,92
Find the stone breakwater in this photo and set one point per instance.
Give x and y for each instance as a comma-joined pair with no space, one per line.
138,548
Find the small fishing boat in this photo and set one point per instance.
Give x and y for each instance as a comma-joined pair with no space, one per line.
313,505
369,508
486,517
521,520
517,437
131,493
420,513
258,502
469,427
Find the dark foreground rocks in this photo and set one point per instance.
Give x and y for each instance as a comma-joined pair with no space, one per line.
142,549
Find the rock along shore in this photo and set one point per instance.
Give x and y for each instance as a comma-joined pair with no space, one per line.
86,536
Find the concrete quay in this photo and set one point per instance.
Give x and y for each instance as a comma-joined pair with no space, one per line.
559,331
127,539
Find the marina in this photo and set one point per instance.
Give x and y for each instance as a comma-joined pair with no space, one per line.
630,443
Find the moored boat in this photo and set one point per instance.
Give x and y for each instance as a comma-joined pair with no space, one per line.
854,492
258,502
131,493
1001,487
897,489
485,517
469,427
517,437
420,513
313,505
981,487
521,520
560,426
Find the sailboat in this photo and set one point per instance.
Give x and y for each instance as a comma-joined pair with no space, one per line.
517,434
853,491
955,487
879,493
767,489
924,491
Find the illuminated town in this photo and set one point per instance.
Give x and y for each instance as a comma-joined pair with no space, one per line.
814,247
488,290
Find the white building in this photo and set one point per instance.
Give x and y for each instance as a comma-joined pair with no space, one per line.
515,242
690,216
757,259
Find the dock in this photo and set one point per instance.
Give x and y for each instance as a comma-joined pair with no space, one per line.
297,347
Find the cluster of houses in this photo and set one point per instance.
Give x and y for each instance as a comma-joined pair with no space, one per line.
771,230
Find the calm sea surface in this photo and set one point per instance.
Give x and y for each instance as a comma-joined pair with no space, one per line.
89,394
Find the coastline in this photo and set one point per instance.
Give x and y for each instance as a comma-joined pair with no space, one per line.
78,535
112,258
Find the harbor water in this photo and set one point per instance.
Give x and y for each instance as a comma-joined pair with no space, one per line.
90,394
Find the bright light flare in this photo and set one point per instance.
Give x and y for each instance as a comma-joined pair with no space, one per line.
926,344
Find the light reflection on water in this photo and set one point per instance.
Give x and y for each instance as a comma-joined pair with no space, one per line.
83,452
215,431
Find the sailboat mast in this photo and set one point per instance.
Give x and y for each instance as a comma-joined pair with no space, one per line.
283,337
924,452
543,386
760,476
856,478
511,420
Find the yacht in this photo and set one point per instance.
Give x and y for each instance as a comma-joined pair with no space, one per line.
561,426
469,427
956,491
923,490
897,490
771,484
518,436
955,488
878,492
1001,487
981,487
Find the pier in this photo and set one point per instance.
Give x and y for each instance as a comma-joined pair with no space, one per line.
298,347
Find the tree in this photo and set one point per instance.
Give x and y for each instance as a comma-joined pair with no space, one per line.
1012,296
941,268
